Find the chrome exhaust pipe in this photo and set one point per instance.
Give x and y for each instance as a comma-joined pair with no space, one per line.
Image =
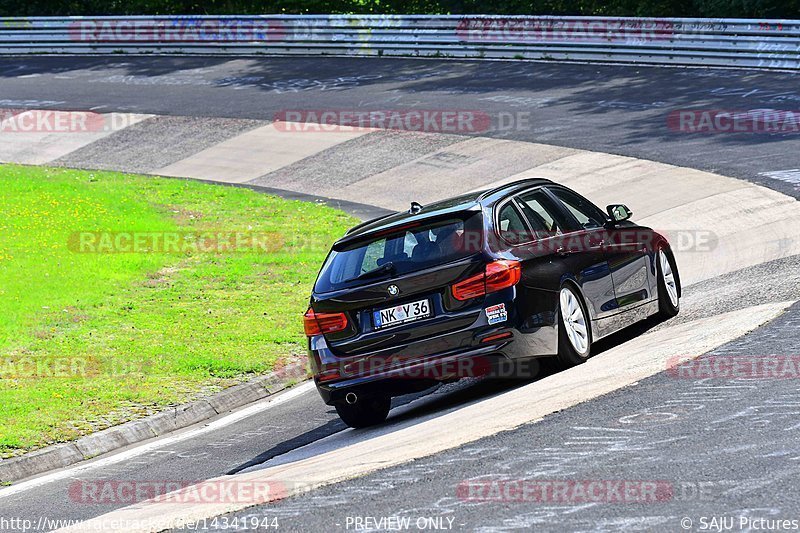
351,398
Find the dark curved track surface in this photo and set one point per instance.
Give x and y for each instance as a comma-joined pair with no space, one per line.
612,109
615,109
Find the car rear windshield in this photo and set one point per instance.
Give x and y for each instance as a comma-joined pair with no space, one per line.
407,250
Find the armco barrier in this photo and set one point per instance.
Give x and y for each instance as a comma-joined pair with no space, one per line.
704,42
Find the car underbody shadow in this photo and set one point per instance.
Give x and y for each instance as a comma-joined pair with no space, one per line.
329,428
441,397
625,335
446,396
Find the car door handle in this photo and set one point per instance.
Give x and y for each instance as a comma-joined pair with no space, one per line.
564,251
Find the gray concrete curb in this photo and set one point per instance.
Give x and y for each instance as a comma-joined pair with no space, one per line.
135,431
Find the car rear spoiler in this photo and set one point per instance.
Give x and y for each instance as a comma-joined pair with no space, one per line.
349,239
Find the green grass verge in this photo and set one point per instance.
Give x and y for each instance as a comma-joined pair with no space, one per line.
141,330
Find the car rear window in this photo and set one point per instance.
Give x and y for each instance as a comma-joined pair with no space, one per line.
407,250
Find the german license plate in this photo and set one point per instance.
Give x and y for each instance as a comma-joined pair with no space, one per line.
401,314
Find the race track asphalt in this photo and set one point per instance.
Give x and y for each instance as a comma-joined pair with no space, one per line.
614,109
748,460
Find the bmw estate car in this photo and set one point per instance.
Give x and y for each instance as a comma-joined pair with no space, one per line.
526,270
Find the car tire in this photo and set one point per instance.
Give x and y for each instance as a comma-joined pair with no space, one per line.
669,285
365,412
574,328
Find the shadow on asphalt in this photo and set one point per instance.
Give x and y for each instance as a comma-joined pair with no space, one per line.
329,428
440,399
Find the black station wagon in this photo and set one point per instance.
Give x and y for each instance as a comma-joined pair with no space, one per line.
525,270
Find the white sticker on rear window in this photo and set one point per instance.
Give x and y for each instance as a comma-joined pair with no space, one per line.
496,313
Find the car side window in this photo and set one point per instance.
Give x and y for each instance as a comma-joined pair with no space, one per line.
512,227
585,212
537,208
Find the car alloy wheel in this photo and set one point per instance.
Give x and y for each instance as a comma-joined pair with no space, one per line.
575,324
668,277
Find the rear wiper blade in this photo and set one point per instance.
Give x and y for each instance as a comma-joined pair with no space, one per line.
387,268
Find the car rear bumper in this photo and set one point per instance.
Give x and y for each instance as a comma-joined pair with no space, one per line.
397,379
472,351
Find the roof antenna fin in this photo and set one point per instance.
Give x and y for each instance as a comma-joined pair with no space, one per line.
415,208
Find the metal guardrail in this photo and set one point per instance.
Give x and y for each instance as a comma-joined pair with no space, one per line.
705,42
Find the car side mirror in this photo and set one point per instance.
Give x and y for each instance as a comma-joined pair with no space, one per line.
618,212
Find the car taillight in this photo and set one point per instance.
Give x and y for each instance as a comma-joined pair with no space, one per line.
470,287
502,274
321,323
498,275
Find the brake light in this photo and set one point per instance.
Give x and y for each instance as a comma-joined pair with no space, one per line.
470,287
498,275
502,274
397,229
321,323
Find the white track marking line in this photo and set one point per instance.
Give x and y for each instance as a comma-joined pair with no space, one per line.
619,367
220,423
